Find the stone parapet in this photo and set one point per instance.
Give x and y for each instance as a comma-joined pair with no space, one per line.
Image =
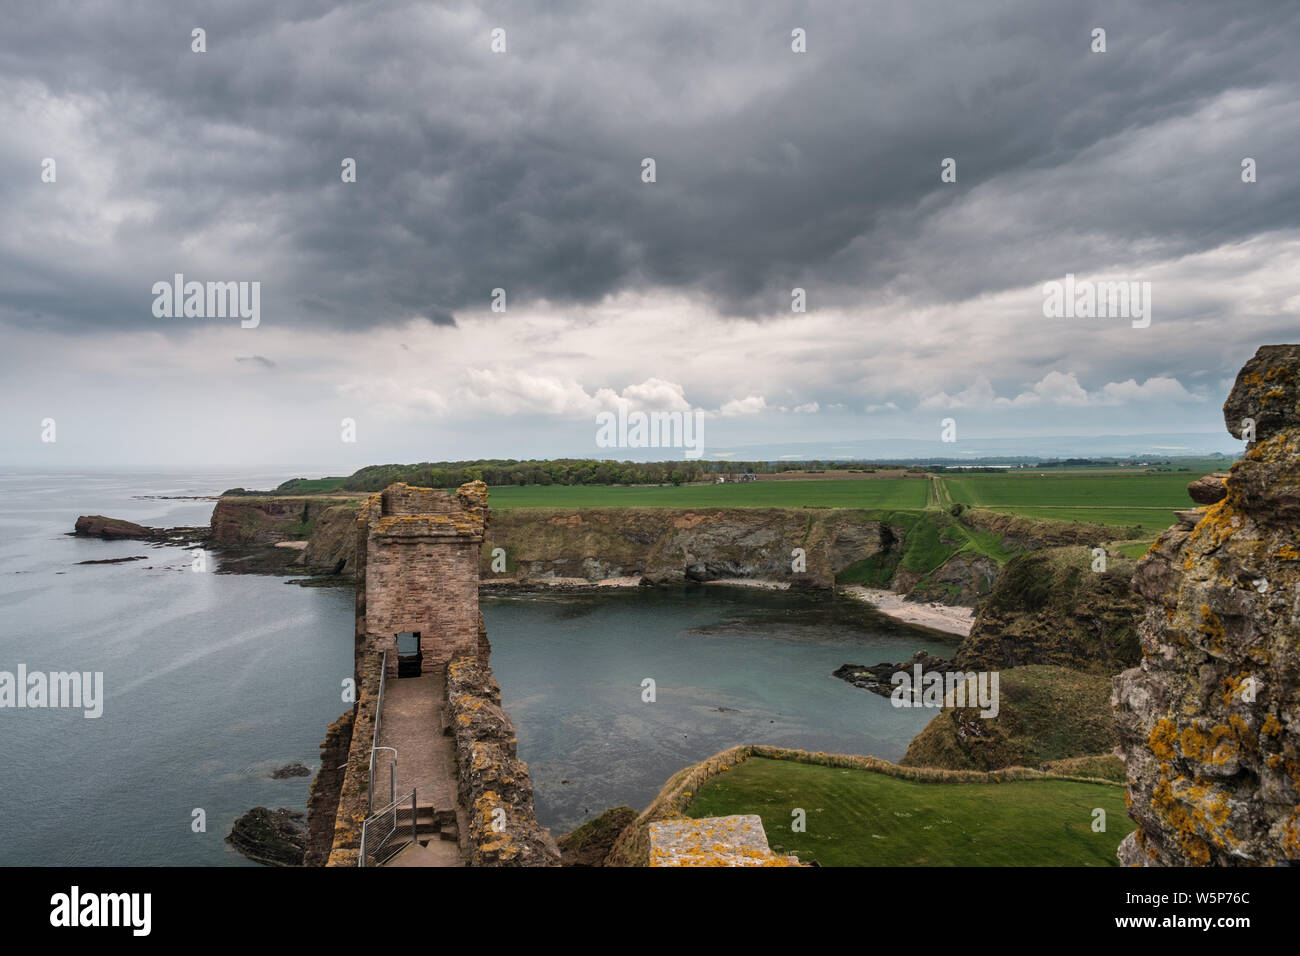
495,787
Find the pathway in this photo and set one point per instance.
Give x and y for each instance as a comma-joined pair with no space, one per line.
411,723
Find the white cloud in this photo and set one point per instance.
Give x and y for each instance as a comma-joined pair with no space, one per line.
1055,388
655,394
1063,389
751,405
1158,389
977,395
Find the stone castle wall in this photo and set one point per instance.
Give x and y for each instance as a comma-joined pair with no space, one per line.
417,572
495,787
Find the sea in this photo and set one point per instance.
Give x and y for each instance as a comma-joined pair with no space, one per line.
211,682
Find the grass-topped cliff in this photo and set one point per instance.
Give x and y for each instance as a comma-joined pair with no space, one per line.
1050,607
927,553
1045,714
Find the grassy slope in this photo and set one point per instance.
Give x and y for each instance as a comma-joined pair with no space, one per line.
929,540
1046,713
861,818
311,486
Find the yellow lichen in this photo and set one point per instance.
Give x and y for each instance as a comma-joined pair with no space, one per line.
1161,739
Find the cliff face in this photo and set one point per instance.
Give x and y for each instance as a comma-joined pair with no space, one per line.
251,527
1050,607
1210,721
668,546
929,556
323,802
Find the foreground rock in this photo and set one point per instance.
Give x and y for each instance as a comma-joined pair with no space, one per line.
736,840
273,837
1210,722
1208,490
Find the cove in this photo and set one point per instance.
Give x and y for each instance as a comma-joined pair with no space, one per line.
730,665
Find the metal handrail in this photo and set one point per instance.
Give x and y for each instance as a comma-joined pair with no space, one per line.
379,832
392,775
379,701
374,740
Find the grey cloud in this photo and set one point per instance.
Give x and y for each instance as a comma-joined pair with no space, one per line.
522,170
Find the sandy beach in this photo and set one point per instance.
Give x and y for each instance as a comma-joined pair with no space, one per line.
939,617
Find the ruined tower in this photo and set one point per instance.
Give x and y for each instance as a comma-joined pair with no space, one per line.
441,741
417,576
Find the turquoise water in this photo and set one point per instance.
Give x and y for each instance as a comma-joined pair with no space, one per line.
730,666
213,681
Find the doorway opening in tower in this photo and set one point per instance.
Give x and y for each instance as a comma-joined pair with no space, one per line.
409,658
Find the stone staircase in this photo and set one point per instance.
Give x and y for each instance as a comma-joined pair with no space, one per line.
430,821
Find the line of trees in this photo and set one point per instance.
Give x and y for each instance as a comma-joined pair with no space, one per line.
571,471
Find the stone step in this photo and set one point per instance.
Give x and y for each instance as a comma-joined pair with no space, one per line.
430,820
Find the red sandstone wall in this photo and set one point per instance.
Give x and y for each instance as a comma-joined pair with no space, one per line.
429,585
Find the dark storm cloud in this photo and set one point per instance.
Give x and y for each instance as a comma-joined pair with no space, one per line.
522,170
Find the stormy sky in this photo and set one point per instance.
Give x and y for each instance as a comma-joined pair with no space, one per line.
522,170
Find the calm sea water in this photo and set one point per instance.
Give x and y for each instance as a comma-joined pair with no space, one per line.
213,681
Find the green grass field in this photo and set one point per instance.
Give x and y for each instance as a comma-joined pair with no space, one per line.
1134,549
1113,497
1165,490
862,818
1107,498
906,493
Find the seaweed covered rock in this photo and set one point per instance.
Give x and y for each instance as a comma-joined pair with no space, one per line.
273,837
1210,721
